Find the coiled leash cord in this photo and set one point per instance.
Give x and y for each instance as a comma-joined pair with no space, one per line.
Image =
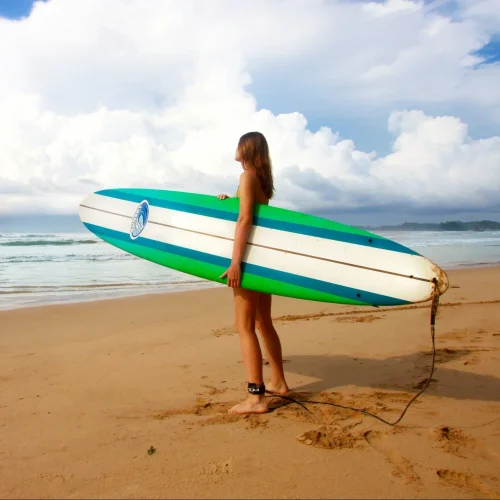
434,309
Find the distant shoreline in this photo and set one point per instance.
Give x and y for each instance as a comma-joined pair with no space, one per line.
71,224
449,226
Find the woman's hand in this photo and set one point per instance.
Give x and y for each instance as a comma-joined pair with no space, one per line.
233,275
223,196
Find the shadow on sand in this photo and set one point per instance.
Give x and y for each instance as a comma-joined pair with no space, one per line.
398,373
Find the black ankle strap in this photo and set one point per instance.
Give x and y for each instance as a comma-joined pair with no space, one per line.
256,389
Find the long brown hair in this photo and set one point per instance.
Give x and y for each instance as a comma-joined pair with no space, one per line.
254,153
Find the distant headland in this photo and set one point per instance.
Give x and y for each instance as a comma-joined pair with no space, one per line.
456,225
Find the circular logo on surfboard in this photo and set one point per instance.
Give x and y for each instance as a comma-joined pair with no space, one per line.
139,220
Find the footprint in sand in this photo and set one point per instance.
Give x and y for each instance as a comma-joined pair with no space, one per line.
402,466
331,438
212,390
214,413
466,481
458,443
452,440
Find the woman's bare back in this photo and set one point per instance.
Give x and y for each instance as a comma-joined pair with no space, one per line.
260,196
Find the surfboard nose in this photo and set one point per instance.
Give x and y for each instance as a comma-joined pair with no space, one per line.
82,206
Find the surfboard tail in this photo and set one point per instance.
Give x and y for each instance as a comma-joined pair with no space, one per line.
443,283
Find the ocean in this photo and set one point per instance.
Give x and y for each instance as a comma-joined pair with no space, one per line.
45,268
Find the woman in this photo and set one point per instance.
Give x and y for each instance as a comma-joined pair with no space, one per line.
253,309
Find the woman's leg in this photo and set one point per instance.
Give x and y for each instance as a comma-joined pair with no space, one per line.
272,343
245,303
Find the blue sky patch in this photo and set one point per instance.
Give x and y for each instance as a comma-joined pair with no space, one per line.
16,9
491,51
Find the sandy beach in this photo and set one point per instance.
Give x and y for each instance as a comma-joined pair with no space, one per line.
128,398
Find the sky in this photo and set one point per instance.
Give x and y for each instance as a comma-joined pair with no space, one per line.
375,112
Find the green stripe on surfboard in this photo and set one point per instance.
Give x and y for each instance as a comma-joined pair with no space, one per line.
212,272
232,205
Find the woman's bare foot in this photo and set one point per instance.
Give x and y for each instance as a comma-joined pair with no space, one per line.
278,388
254,404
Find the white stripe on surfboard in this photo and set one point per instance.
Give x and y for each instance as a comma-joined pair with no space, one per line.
372,281
349,253
252,243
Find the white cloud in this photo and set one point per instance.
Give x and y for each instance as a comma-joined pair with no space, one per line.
103,93
392,6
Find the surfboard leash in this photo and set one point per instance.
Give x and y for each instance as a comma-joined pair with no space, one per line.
434,309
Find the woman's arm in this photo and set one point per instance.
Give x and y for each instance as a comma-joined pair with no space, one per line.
245,217
243,228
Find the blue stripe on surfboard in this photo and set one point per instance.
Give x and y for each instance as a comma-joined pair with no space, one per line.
264,272
290,227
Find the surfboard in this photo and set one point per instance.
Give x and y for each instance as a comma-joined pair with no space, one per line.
288,253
